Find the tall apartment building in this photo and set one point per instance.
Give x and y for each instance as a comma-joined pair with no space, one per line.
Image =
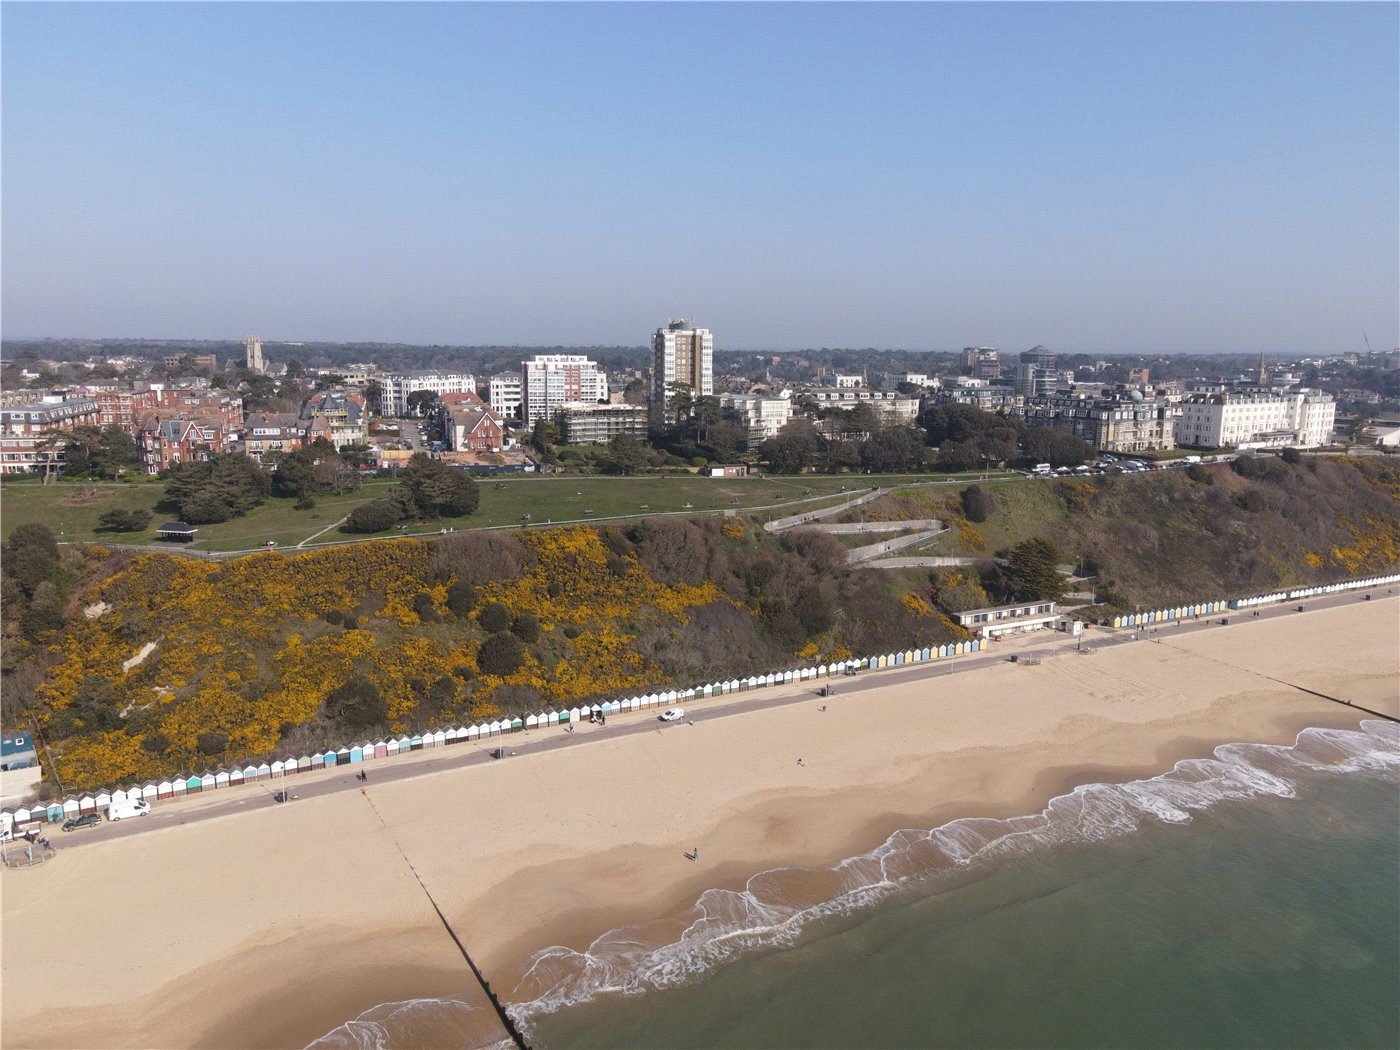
1257,419
253,355
1035,373
396,388
506,394
551,381
681,353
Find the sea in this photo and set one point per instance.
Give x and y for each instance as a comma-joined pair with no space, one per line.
1250,899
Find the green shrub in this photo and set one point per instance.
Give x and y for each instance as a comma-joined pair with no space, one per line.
526,627
501,654
461,598
494,618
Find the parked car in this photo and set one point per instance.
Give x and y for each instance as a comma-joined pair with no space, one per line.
87,820
672,714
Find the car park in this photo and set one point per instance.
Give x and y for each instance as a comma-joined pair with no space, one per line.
87,820
672,714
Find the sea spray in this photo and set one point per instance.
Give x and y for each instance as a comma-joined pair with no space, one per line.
777,905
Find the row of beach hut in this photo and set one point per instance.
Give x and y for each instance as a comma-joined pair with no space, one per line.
212,780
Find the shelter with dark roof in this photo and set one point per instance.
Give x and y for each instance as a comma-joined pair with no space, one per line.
180,531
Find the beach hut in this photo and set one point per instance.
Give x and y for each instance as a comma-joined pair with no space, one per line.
178,787
381,749
104,799
405,743
165,789
391,749
439,738
87,804
70,807
357,754
302,765
415,743
207,781
54,813
257,772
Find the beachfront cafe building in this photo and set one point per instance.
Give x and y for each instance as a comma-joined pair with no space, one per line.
1009,619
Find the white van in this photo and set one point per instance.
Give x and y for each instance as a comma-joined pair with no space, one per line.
130,808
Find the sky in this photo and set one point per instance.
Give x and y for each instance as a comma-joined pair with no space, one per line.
1099,178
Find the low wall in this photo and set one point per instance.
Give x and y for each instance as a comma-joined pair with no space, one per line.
779,524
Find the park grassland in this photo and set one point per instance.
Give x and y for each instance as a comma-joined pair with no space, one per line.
72,508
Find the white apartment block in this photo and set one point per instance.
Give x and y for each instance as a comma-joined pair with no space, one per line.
551,381
507,393
1256,420
763,416
398,387
681,353
893,408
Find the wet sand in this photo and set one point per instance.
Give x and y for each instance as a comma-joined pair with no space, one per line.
270,928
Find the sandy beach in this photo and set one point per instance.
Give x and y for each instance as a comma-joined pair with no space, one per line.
271,927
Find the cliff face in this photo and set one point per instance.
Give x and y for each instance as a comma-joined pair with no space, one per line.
271,653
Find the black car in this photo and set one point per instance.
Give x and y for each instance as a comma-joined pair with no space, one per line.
87,820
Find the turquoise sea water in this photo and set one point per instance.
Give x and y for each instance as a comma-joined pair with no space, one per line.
1250,900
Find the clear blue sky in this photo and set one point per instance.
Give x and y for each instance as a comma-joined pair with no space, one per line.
1099,178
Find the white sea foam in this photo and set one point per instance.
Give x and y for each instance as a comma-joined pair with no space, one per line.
402,1024
724,923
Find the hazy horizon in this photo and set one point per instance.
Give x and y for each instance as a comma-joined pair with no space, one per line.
1100,179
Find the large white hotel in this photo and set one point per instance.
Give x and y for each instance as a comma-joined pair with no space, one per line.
1256,419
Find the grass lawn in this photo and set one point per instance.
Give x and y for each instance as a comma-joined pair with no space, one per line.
71,509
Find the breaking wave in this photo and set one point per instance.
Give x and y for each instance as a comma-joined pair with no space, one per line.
776,905
402,1024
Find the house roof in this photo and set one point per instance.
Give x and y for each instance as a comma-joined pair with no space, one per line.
176,528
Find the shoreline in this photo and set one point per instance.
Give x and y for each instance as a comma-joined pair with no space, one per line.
563,845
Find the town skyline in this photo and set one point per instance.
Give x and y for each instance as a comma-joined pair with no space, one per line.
1105,179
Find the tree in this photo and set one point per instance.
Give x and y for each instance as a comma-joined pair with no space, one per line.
891,450
725,440
102,451
1031,569
294,476
31,556
1057,447
1291,456
626,455
502,654
794,449
978,503
436,490
374,397
226,485
635,392
423,403
544,436
681,399
124,520
375,516
357,705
